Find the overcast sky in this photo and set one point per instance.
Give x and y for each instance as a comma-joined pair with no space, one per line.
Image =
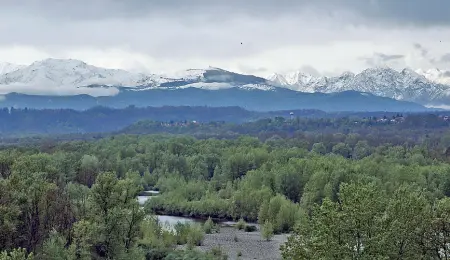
319,37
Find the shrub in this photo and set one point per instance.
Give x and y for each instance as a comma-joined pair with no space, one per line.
218,253
195,236
267,230
209,226
191,234
241,224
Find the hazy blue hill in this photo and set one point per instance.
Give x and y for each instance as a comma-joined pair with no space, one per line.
253,99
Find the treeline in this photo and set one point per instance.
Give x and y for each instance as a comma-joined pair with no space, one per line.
20,122
377,129
25,122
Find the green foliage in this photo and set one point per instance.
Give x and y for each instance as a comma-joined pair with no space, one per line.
241,224
280,212
195,236
218,253
55,248
209,226
191,234
16,254
267,230
190,254
343,196
367,223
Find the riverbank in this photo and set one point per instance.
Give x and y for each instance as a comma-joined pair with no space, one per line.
250,244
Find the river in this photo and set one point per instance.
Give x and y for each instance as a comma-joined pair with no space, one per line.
166,220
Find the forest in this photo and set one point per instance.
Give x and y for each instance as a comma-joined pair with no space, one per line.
375,189
23,122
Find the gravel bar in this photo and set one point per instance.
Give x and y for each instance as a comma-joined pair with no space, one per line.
250,244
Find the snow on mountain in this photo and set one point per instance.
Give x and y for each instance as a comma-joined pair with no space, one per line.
67,77
436,75
6,67
297,81
386,82
186,75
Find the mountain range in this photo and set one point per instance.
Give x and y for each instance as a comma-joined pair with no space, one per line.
68,83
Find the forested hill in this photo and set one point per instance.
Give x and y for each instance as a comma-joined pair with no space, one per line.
20,122
397,129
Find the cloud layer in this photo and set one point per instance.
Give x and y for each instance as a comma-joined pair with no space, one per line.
325,36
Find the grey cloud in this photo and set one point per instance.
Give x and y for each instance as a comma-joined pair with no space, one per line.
412,12
389,57
381,58
423,51
192,31
445,58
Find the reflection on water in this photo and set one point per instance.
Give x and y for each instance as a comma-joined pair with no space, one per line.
145,195
143,199
170,221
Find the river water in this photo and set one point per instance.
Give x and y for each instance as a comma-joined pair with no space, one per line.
170,221
166,220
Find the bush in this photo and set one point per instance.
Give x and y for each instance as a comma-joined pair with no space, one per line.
182,231
267,230
189,254
241,224
195,236
209,226
191,234
218,253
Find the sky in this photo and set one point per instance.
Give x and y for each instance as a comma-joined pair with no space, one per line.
321,37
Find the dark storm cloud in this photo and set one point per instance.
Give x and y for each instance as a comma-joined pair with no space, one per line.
412,12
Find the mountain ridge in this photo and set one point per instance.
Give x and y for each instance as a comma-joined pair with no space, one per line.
68,77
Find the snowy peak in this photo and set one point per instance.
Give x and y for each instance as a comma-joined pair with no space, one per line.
69,77
72,73
406,84
6,67
214,78
436,75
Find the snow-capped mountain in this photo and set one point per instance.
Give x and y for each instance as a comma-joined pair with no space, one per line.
71,77
6,67
65,77
386,82
436,75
